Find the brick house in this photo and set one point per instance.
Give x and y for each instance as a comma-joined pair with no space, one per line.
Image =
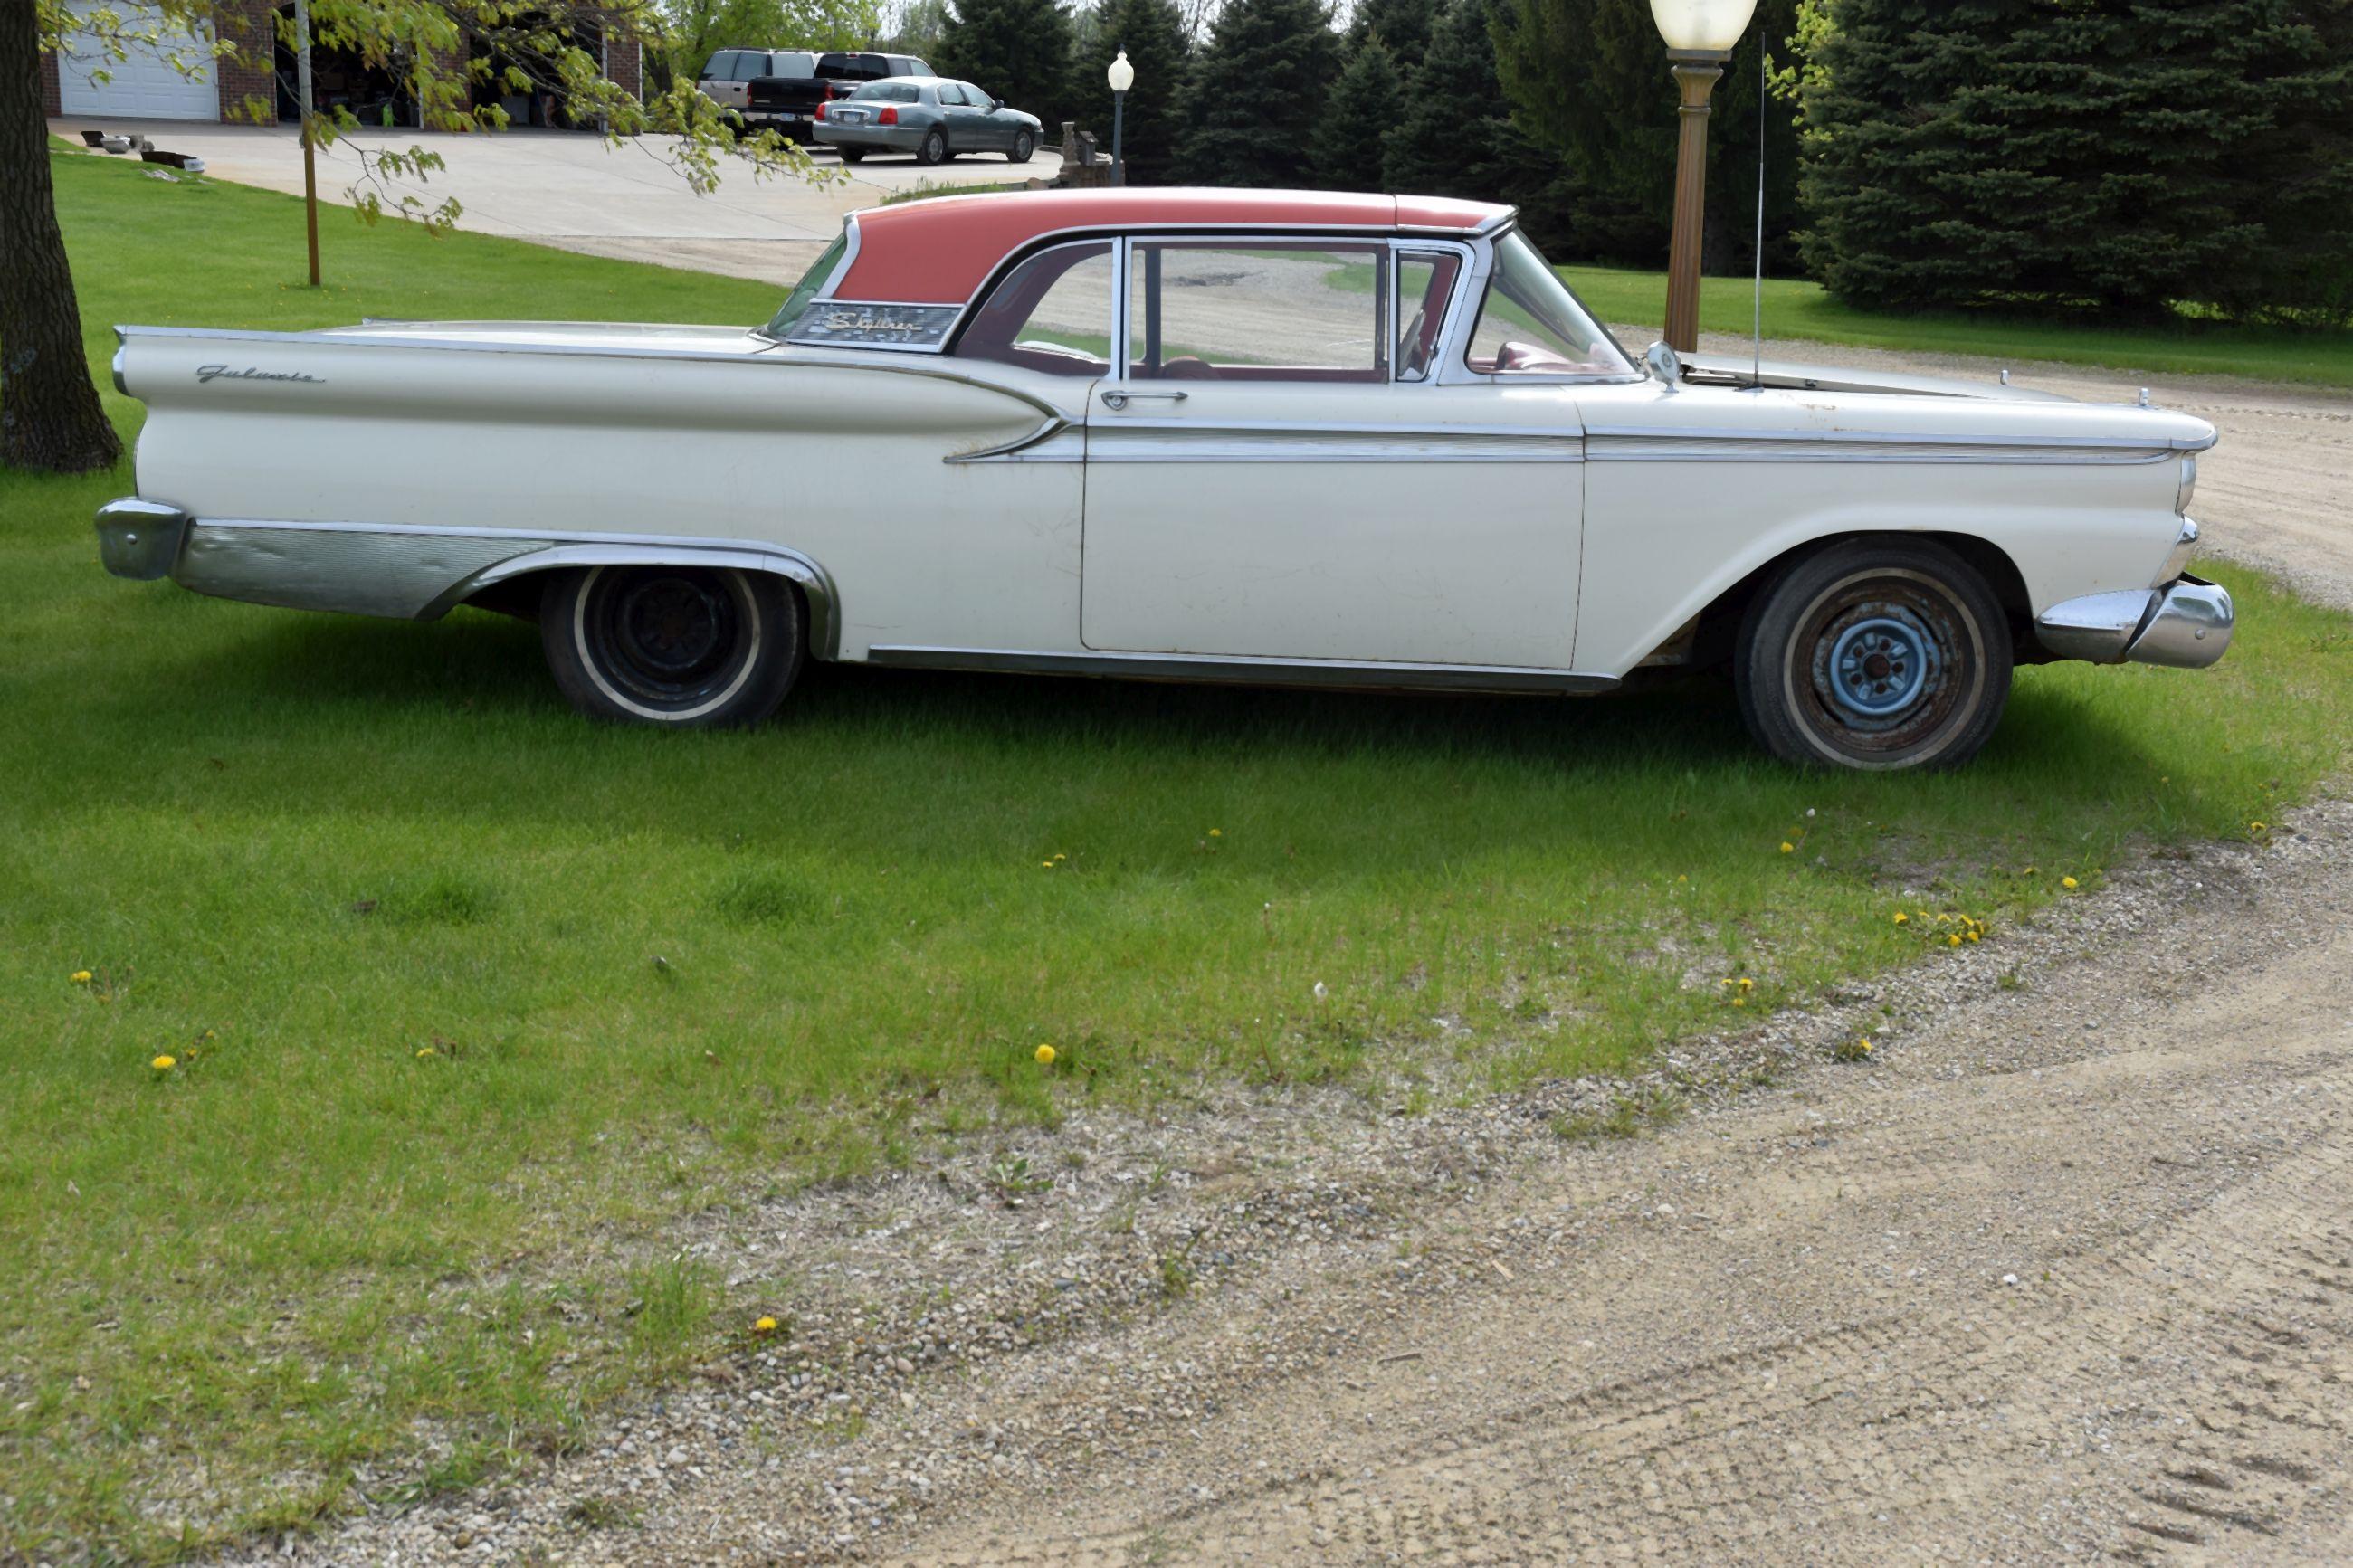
261,73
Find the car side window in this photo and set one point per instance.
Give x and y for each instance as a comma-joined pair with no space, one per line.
750,63
1051,313
715,68
1267,310
973,96
951,94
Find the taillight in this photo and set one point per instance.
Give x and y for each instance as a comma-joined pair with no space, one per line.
888,117
819,113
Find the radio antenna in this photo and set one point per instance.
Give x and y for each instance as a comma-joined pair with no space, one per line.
1764,87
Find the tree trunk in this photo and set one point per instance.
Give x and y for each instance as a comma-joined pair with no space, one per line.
49,413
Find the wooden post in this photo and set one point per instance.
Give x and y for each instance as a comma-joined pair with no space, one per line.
310,148
1696,73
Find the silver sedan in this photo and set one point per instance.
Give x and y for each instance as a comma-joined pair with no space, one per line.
931,117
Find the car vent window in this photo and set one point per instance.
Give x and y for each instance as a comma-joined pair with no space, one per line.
1530,324
1052,313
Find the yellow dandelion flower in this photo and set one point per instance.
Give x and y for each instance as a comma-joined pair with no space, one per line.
1788,848
2067,881
1747,984
1740,1001
764,1326
80,977
2028,872
164,1064
1901,919
1954,940
424,1051
1866,1047
1048,865
1214,833
1060,856
2256,828
1045,1054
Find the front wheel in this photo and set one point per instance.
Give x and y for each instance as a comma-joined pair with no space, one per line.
851,154
679,646
1024,144
934,149
1875,655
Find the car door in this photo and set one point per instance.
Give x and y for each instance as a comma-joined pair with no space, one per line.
985,130
1278,470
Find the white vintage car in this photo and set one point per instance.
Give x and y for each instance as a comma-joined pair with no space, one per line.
1295,439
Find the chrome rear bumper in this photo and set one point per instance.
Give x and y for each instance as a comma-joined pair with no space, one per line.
140,538
2184,623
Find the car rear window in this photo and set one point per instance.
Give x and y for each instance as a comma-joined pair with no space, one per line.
890,92
853,68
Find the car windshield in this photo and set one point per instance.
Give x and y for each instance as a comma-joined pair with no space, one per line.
797,303
1530,324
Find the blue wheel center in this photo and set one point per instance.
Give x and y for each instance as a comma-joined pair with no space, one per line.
1881,666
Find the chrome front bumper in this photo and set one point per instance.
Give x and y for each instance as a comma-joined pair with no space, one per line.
140,538
2184,623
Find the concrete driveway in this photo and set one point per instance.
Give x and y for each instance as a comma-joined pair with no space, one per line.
571,189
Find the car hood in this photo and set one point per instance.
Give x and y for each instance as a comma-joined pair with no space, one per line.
1742,371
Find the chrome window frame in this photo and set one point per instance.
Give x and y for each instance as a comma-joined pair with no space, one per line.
1391,242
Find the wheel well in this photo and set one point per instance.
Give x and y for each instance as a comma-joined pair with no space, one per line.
1711,632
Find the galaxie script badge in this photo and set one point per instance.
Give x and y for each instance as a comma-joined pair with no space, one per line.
206,373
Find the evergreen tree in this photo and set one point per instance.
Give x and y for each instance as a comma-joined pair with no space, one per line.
1364,106
1257,94
1455,136
1401,26
1588,79
1153,34
1019,50
2117,155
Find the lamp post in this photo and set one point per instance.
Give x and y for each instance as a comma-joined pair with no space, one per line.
1121,76
1700,35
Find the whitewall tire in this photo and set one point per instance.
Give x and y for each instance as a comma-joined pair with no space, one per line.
677,647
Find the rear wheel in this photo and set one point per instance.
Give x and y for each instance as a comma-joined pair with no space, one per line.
1024,144
850,154
681,647
934,149
1874,655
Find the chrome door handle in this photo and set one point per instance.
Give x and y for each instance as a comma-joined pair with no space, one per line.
1117,401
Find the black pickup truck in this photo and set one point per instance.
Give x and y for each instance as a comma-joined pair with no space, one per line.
785,103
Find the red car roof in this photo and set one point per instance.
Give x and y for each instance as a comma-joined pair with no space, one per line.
938,251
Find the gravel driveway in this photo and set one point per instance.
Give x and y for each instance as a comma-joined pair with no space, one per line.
2066,1274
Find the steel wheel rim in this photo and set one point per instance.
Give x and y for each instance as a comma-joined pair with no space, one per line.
1852,714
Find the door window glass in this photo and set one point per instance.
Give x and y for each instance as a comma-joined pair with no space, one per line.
1530,324
750,63
1258,310
1052,313
1425,286
951,94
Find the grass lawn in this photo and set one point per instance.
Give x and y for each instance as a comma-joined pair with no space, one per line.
1800,309
397,915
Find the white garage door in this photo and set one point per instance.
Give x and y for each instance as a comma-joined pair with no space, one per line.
144,87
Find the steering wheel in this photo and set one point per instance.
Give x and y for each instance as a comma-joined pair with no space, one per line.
1414,358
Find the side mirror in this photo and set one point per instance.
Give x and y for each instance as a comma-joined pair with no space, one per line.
1665,364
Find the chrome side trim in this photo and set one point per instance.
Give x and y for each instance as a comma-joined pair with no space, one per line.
2190,628
816,585
1620,445
139,539
1268,441
772,355
1043,444
418,572
1312,672
2096,626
